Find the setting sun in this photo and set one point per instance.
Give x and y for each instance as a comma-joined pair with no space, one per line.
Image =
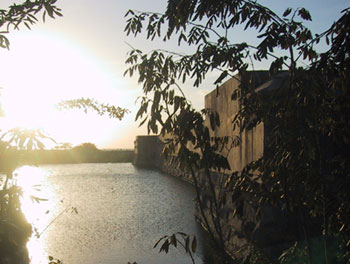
42,69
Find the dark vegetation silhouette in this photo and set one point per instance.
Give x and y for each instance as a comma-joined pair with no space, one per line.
85,153
305,170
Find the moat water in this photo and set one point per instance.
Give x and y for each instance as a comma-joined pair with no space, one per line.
120,213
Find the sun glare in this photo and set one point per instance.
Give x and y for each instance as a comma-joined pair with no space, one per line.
38,212
30,179
41,70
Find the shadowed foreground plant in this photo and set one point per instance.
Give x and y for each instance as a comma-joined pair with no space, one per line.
173,240
14,228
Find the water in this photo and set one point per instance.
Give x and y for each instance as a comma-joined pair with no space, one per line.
122,212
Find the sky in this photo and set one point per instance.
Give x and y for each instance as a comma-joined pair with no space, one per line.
82,54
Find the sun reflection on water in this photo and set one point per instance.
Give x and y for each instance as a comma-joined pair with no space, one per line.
38,205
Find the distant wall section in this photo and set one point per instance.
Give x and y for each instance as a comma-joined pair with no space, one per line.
147,152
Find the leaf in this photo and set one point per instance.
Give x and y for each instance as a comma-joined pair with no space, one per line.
30,144
156,98
304,14
165,246
287,12
26,24
160,239
37,199
40,144
212,121
222,76
143,121
234,95
187,244
173,240
217,119
194,244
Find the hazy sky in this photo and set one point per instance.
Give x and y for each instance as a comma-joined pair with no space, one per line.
82,54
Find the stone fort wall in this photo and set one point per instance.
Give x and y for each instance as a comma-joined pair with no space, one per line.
274,230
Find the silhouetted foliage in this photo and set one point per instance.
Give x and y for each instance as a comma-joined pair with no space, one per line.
25,13
86,147
305,167
88,104
14,228
178,239
64,146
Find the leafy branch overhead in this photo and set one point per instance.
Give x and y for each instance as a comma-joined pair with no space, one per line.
89,104
25,13
202,24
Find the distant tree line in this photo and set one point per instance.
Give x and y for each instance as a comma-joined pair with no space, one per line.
84,153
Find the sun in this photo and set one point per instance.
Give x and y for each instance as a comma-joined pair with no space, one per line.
25,109
42,69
